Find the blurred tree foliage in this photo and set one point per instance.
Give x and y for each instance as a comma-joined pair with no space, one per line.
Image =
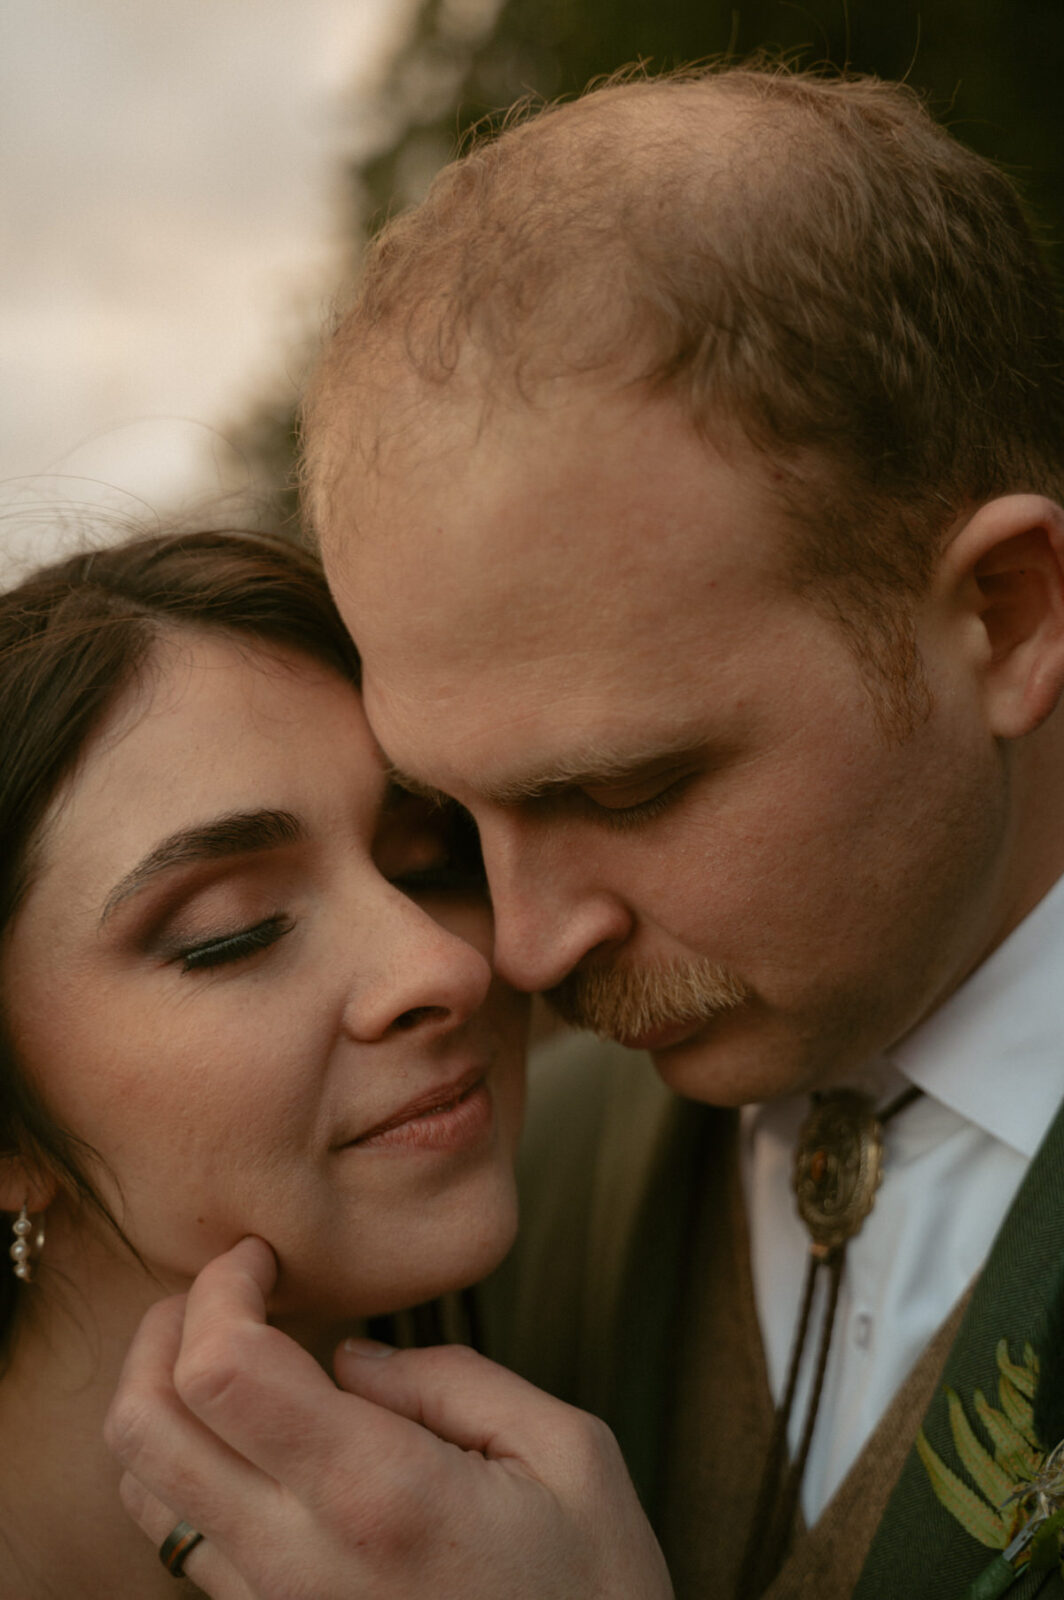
991,68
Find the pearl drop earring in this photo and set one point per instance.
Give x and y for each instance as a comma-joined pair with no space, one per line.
29,1242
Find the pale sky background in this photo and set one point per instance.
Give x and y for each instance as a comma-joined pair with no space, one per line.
170,189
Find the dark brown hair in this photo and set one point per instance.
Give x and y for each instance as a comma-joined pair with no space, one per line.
807,262
72,637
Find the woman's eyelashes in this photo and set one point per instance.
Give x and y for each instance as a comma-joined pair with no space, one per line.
224,949
445,862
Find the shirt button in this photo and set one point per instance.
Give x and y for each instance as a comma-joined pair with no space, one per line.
862,1330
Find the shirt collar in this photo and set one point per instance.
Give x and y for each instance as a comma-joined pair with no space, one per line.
994,1051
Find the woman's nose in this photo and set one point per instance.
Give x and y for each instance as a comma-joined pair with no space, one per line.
420,974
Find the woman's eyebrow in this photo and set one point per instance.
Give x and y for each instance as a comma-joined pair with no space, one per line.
239,833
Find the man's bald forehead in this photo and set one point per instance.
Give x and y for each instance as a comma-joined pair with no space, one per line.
807,262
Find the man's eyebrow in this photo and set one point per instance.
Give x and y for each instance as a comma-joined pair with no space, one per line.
239,833
410,785
580,769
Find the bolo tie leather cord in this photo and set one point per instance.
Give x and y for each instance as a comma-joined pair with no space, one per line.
838,1168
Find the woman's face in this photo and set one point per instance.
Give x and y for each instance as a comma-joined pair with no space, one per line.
249,981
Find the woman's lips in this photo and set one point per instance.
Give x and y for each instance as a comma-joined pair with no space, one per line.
443,1118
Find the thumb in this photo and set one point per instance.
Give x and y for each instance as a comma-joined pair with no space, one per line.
462,1398
565,1465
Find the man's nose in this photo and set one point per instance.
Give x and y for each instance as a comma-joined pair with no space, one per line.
550,912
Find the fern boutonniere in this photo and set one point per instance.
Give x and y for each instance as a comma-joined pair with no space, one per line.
1015,1501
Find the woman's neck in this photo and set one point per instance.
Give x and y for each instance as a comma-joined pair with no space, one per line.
63,1532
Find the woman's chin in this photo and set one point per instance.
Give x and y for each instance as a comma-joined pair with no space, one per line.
377,1282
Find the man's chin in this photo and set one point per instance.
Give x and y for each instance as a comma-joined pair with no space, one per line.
711,1061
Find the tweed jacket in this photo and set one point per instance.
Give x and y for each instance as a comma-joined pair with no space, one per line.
630,1294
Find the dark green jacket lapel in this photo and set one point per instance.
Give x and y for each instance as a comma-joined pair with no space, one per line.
919,1548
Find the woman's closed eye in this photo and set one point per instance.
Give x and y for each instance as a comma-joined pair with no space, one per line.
224,949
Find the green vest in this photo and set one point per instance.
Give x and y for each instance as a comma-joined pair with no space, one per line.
593,1306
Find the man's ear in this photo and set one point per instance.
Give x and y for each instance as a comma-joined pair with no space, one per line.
1007,564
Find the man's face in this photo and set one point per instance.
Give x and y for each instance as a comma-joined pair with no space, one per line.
577,621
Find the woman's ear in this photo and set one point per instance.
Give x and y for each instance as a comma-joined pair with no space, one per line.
25,1183
1007,564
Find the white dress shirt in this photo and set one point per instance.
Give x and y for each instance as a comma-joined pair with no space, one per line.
991,1064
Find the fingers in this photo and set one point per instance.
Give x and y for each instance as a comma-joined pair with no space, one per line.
216,1411
248,1278
470,1401
303,1489
256,1389
552,1479
205,1564
169,1450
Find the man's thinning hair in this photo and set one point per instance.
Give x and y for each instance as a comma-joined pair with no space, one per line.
808,262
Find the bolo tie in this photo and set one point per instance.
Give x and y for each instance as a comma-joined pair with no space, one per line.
838,1167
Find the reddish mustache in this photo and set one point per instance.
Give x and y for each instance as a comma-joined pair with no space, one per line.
445,1095
626,1003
